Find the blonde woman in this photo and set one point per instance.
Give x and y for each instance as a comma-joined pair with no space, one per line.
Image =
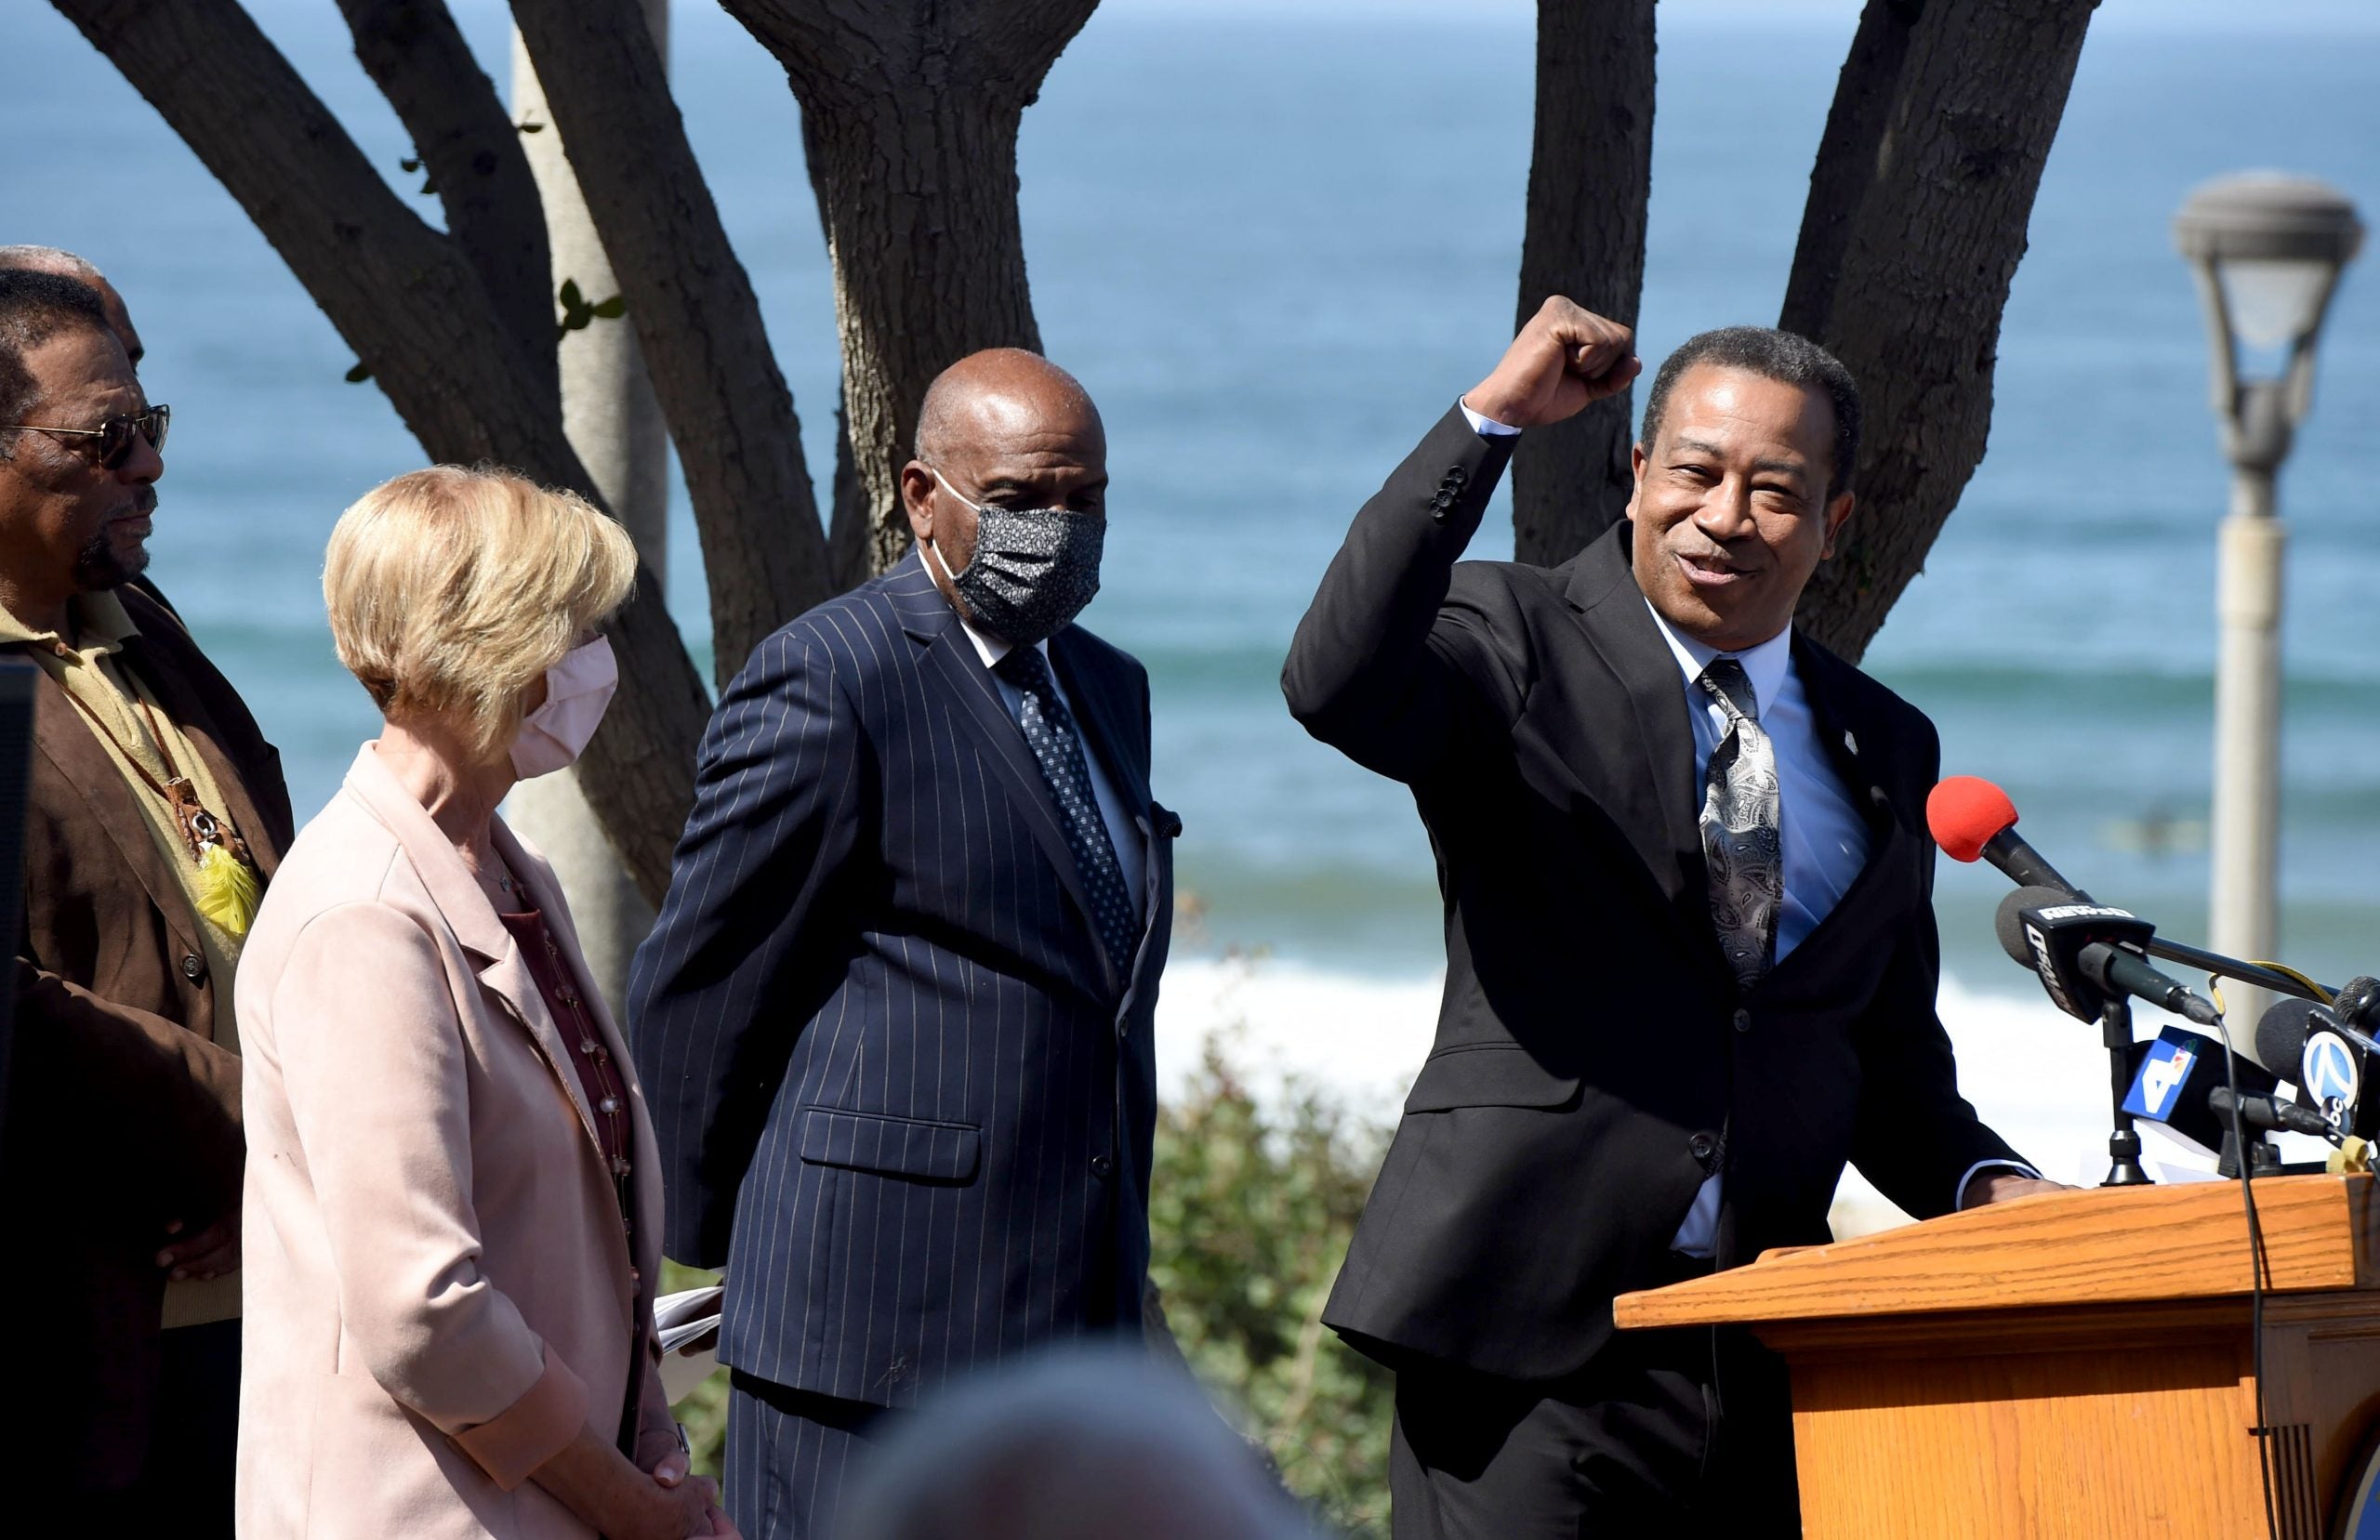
452,1209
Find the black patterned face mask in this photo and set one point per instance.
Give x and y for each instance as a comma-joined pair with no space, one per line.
1033,568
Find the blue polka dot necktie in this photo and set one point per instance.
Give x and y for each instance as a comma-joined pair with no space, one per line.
1741,847
1050,732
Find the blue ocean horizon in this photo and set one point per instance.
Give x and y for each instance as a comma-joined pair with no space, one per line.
1275,250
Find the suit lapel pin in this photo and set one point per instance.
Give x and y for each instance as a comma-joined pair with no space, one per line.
1850,745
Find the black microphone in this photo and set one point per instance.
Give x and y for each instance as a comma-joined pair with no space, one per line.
2357,1004
2330,1060
2087,953
2281,1037
2264,1110
1971,819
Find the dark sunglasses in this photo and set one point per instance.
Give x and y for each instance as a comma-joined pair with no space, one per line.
115,434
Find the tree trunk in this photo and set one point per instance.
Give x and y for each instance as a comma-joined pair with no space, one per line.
910,112
850,535
765,551
470,152
923,277
415,311
1590,178
850,541
1865,95
1936,231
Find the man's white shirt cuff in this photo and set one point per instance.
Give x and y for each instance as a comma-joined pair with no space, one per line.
1486,426
1960,1200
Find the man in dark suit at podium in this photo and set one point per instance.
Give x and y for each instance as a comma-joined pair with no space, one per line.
1690,946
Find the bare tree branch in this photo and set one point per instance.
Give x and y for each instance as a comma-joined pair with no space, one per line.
1865,95
764,552
420,317
471,152
910,111
1591,175
1931,247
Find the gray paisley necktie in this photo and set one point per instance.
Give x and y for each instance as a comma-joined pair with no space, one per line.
1050,732
1741,845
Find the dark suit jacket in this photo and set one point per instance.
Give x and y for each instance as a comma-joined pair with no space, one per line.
1593,1059
123,1114
902,1091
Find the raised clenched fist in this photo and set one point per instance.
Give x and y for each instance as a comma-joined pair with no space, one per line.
1564,357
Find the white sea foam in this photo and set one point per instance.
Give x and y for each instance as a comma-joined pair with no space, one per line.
2036,1075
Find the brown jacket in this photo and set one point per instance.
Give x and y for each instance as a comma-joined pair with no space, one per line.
123,1113
440,1291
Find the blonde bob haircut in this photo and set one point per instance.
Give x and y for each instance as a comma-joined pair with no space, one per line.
451,590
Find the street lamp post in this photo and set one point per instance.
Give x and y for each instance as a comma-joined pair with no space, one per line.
2267,250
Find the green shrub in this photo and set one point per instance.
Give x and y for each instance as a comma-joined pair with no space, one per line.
1251,1210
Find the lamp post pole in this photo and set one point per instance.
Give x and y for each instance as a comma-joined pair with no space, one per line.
2244,907
2266,251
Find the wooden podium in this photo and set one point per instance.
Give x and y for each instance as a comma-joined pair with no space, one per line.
2073,1364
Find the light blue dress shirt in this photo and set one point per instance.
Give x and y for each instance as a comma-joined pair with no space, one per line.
1825,840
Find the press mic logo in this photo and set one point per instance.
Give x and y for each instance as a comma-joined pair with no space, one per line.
2167,1067
2086,911
2326,1072
2045,963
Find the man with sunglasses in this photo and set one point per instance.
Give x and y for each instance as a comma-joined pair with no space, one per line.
155,811
66,264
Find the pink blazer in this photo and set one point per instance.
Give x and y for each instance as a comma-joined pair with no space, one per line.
439,1291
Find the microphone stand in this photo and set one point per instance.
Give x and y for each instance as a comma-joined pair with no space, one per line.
2217,965
2124,1145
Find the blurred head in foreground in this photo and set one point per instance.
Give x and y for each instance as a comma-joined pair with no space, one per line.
1071,1446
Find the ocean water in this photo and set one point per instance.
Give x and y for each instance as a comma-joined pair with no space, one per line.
1274,249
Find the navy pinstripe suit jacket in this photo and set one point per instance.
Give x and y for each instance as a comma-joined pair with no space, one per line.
902,1091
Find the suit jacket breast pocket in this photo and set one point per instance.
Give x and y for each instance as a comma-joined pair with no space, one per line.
890,1146
1494,1074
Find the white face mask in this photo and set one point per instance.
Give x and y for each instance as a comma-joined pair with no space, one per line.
577,690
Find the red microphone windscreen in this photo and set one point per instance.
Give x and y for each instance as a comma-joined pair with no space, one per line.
1963,812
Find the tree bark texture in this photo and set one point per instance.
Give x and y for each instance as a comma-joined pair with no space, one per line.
696,317
1933,239
850,542
910,111
418,314
1589,178
1865,97
471,152
850,535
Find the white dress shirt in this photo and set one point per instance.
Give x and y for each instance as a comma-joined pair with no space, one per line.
1123,833
1819,828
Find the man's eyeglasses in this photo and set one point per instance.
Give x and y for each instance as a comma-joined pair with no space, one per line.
115,434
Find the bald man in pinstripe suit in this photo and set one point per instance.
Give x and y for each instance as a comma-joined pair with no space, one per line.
895,1020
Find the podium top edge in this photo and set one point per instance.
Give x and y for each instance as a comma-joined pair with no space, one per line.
2085,1247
